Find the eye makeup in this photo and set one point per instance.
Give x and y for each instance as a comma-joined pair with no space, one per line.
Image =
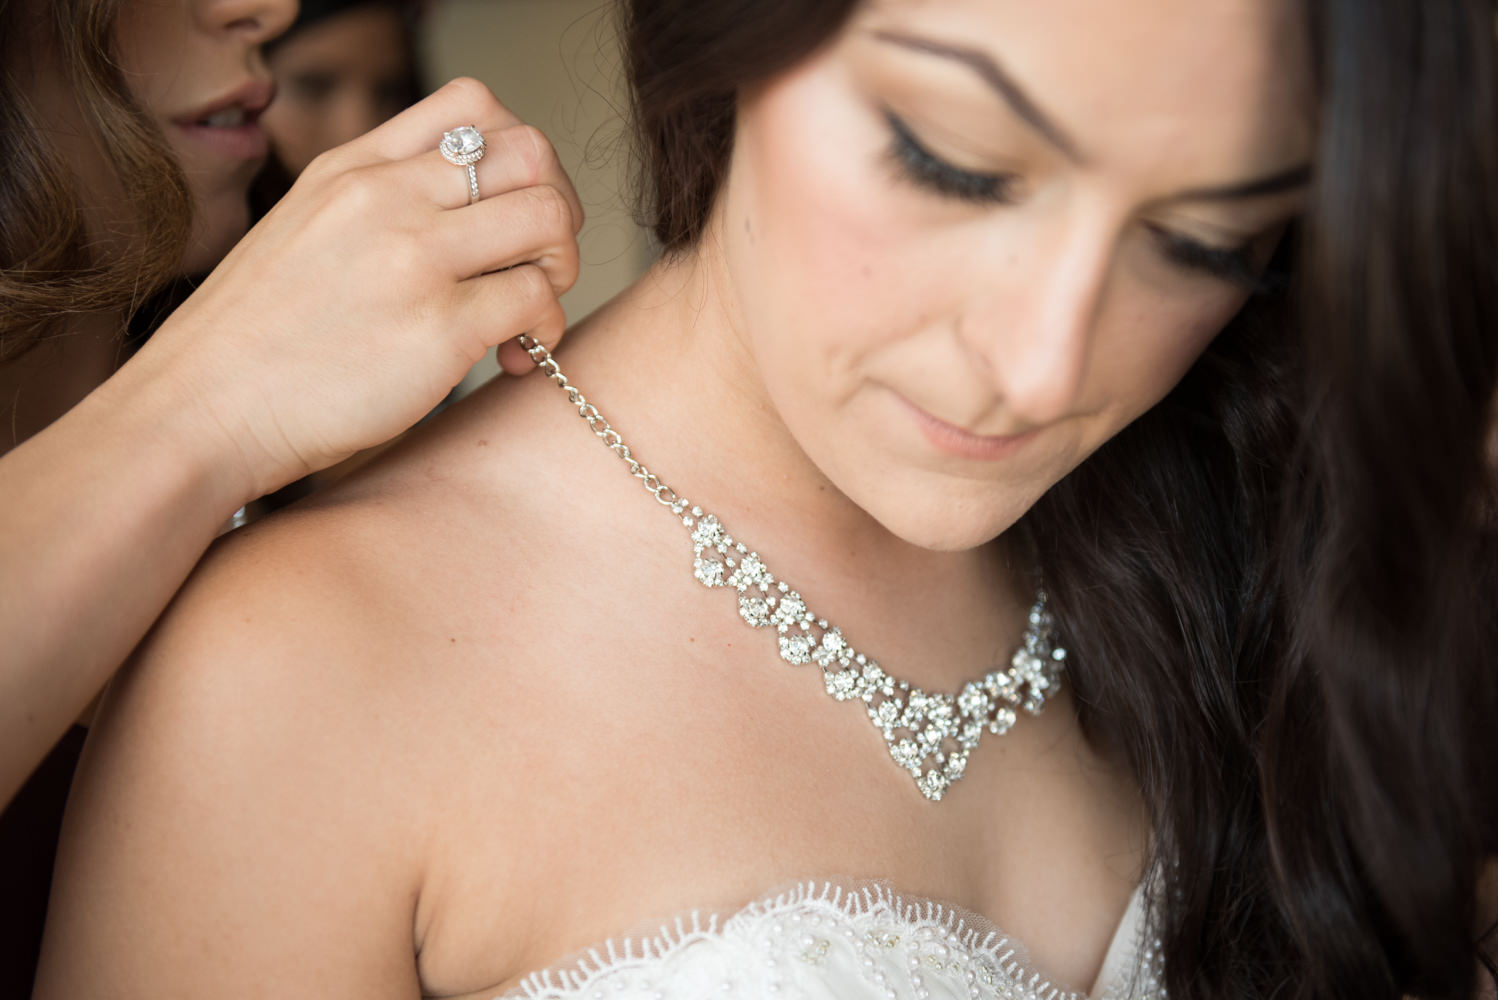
1236,265
1233,264
925,168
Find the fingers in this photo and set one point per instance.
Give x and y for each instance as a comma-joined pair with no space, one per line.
530,226
514,360
419,128
498,308
526,154
510,254
516,157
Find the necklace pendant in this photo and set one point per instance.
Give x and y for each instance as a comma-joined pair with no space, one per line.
929,735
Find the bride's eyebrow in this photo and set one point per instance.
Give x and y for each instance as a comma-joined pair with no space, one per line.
992,74
1025,107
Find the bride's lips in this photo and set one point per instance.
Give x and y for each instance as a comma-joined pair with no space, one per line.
963,443
230,124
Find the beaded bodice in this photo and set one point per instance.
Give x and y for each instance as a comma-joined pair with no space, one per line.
819,941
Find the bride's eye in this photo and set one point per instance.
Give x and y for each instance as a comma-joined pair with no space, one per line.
1234,265
925,168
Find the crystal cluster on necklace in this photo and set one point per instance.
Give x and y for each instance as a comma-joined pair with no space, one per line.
929,735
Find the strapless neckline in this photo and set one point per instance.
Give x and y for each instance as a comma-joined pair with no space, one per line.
821,940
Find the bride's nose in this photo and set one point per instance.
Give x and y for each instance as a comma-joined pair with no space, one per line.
1033,328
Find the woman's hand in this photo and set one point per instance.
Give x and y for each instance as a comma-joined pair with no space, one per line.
368,292
342,319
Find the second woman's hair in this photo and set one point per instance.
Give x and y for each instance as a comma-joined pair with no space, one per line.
48,267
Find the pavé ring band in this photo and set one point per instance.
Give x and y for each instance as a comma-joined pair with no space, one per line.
464,146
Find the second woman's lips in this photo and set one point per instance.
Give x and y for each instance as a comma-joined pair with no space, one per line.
248,100
245,141
229,124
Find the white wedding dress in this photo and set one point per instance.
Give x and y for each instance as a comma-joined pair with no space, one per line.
820,941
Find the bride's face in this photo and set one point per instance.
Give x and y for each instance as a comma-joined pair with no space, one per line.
969,240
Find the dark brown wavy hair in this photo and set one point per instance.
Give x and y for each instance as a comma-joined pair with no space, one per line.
1278,586
47,269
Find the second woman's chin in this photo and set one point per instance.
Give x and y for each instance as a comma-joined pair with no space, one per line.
220,188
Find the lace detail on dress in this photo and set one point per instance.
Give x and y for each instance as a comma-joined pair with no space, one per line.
820,941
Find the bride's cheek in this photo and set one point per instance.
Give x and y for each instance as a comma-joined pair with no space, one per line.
850,295
811,203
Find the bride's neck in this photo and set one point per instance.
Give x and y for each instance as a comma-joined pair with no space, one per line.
671,347
668,364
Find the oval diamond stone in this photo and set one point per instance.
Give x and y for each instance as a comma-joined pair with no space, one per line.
463,142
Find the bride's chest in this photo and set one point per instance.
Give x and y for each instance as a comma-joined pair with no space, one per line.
596,802
820,939
570,858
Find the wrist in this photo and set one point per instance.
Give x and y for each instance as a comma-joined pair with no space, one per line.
149,416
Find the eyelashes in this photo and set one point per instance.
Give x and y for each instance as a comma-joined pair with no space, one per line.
930,171
1235,265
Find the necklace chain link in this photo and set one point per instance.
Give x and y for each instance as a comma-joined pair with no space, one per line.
930,735
664,495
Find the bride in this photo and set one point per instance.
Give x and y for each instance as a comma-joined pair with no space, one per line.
493,718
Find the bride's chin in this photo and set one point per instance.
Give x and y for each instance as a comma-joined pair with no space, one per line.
951,525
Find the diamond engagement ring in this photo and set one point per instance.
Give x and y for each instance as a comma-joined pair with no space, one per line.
464,146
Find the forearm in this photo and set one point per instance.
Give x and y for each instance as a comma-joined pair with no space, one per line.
102,516
345,315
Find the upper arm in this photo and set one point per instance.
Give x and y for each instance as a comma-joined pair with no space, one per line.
238,826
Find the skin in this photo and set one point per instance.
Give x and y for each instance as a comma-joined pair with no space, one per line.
115,478
334,771
339,77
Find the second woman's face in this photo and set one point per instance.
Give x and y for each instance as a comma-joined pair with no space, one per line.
970,240
196,67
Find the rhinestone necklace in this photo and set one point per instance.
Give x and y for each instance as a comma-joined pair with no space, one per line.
929,735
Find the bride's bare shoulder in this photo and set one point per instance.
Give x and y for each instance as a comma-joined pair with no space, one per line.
443,603
422,550
326,692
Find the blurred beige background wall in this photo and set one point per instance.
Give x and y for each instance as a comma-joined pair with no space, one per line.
555,63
